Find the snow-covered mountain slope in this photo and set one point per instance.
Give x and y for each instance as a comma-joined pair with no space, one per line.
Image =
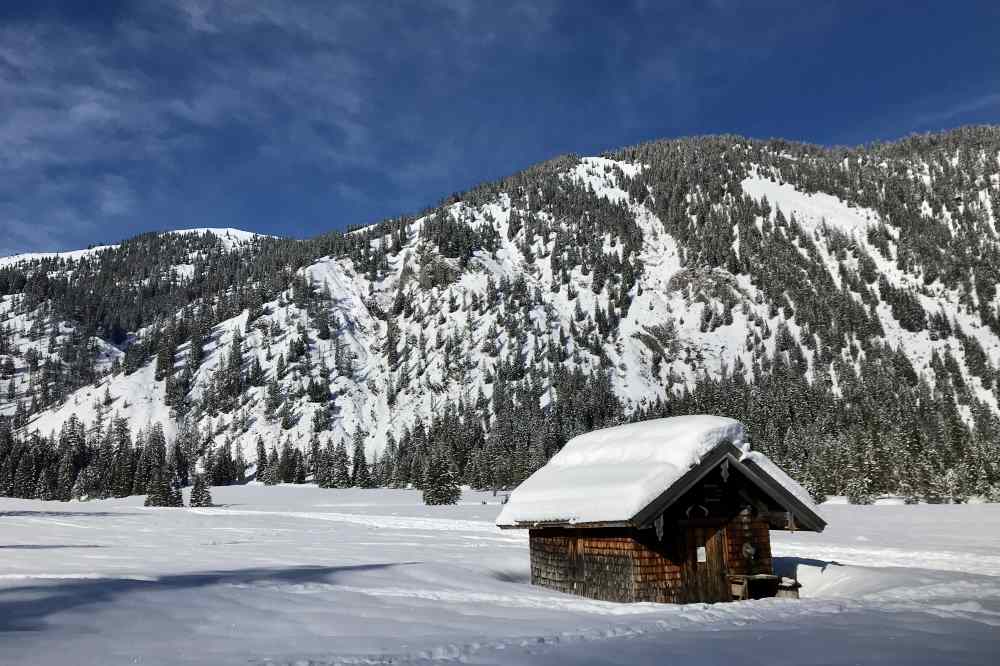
70,255
24,326
580,293
668,294
817,211
229,237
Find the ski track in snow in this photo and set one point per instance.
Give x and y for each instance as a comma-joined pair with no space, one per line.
975,563
377,522
688,618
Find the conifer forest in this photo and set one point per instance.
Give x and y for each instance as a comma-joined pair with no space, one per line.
841,302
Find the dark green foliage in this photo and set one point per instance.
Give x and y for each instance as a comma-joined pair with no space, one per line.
318,391
905,306
175,496
440,486
158,492
201,496
272,472
360,471
340,472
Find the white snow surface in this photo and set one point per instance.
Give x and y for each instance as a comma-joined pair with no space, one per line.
811,210
300,575
613,473
229,236
71,255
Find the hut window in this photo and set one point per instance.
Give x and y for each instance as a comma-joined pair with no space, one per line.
702,554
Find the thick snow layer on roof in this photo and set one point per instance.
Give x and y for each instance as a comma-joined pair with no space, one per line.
612,474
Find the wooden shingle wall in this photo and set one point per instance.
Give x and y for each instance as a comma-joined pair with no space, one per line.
599,567
612,565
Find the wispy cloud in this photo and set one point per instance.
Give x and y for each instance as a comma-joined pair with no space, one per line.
942,117
118,115
300,116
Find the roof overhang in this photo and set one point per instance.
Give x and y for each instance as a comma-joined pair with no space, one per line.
805,518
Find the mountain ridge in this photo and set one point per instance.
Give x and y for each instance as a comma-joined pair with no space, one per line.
578,293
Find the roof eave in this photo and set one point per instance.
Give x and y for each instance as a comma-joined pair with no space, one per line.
666,499
805,518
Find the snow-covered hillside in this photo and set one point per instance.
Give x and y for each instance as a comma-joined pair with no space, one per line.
793,281
667,295
818,211
230,238
71,255
26,340
300,575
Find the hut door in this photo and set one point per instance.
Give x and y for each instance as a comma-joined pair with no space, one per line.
706,578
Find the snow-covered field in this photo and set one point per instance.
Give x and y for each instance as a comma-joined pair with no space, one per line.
300,575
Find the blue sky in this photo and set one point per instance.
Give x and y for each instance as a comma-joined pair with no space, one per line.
297,118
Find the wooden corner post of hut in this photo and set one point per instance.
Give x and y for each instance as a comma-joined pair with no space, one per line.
672,510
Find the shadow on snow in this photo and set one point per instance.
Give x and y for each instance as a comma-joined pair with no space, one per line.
789,566
25,608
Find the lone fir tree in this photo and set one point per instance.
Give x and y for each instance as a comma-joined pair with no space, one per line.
158,490
360,474
440,486
200,494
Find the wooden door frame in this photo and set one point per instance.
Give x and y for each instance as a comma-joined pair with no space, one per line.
719,526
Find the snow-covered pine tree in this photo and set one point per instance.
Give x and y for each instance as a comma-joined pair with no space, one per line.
341,472
298,468
286,416
360,473
201,496
261,458
175,495
272,473
440,486
67,477
158,489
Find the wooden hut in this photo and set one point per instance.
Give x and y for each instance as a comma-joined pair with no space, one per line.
671,510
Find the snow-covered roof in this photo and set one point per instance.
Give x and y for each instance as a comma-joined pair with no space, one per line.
613,474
